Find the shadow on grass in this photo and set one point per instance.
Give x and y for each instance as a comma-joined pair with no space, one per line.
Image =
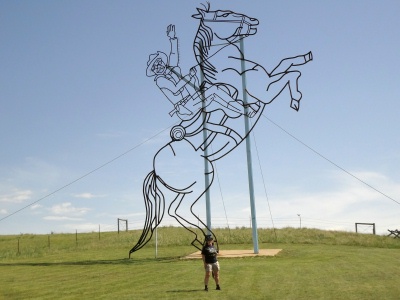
123,261
185,291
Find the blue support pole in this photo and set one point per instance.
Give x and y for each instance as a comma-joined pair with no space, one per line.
249,161
206,163
206,178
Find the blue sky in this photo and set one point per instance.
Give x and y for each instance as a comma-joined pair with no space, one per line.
78,114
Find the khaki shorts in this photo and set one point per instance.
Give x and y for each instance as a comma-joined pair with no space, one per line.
212,267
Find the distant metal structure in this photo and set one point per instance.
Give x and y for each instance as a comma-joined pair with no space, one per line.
395,233
366,224
122,221
212,111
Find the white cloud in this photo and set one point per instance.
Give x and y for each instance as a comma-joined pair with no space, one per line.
61,218
125,215
16,196
36,206
88,196
66,208
343,202
85,227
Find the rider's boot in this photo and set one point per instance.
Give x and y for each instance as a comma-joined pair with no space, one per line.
234,135
252,109
182,110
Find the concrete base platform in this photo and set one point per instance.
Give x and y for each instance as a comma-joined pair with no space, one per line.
238,253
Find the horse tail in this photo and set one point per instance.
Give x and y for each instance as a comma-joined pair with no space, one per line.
154,201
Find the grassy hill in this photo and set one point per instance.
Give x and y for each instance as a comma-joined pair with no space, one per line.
314,264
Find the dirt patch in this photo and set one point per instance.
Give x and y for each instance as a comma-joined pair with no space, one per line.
238,253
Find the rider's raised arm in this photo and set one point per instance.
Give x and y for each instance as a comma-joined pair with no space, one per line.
174,55
173,40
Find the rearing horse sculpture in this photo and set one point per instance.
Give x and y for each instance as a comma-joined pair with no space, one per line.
221,62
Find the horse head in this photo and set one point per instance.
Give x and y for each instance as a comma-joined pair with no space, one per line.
226,24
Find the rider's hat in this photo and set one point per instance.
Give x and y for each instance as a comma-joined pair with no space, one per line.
152,58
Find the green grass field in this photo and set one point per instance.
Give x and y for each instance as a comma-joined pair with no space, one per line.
313,264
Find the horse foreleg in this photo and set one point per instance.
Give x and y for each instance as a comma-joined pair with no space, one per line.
287,63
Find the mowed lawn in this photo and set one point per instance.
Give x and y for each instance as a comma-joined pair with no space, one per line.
300,271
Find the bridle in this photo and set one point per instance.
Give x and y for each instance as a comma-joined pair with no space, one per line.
242,21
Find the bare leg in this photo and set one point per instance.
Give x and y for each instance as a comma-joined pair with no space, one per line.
216,277
207,278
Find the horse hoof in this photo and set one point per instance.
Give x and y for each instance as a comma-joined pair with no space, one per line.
295,104
308,57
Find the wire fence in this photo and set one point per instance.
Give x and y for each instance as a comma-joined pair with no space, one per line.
125,232
298,221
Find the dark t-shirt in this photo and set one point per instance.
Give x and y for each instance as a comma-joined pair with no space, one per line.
210,254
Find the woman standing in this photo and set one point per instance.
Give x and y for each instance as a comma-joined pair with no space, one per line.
209,255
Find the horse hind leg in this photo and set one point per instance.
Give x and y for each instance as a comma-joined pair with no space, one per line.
286,63
279,83
296,94
175,211
182,210
209,231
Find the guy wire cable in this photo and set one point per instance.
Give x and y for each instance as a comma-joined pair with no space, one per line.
263,180
89,173
220,190
331,162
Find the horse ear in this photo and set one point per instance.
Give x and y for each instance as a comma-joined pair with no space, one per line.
200,15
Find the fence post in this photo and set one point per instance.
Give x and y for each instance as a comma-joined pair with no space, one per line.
126,224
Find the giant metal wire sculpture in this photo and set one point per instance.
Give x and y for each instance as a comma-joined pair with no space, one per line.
207,99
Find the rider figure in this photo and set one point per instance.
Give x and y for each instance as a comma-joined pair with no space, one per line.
166,72
184,91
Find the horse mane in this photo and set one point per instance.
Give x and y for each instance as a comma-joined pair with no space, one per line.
206,7
201,48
